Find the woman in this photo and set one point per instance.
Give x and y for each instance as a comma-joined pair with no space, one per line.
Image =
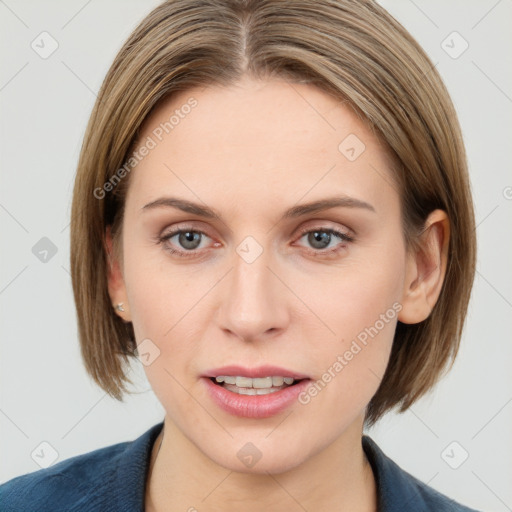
272,211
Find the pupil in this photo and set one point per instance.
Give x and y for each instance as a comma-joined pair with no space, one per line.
188,239
319,239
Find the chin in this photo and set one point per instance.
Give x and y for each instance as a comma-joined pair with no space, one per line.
274,464
259,457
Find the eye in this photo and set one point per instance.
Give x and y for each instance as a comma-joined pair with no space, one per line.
323,241
326,241
187,241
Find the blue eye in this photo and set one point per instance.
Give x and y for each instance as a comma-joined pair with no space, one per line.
189,239
319,239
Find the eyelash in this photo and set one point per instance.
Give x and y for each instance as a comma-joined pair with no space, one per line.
303,231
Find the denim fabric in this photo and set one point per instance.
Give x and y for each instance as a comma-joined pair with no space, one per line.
112,479
399,491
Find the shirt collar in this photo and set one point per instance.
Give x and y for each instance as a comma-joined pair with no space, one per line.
396,489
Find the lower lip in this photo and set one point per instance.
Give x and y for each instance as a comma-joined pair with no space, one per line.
254,406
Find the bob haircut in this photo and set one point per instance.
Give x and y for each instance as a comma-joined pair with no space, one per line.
351,49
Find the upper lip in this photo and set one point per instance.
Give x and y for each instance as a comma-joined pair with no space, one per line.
260,371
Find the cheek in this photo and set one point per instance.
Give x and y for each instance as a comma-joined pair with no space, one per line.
354,295
157,291
361,305
167,307
163,304
364,298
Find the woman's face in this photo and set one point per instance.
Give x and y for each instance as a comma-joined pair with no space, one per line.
254,286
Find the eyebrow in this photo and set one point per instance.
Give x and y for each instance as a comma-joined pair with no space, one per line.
291,213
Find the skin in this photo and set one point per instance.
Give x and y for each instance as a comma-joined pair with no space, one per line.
250,151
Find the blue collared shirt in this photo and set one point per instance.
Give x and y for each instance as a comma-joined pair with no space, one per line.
113,479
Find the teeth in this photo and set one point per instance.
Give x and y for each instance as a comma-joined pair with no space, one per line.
266,391
252,391
226,379
277,381
262,383
244,382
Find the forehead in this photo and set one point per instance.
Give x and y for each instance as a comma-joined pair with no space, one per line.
258,140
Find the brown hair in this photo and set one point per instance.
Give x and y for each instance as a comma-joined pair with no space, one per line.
352,49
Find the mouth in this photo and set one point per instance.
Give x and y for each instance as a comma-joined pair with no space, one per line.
254,393
254,386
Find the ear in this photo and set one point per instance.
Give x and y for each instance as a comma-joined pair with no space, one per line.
115,279
426,269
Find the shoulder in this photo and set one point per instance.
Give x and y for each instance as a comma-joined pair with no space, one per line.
85,482
62,484
399,490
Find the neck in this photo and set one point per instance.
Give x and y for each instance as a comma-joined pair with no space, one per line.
181,477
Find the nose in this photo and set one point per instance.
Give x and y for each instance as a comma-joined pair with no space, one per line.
254,303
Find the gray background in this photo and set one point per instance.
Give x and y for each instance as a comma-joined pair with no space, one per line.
45,104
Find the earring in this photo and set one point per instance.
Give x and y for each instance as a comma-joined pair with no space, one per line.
119,306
